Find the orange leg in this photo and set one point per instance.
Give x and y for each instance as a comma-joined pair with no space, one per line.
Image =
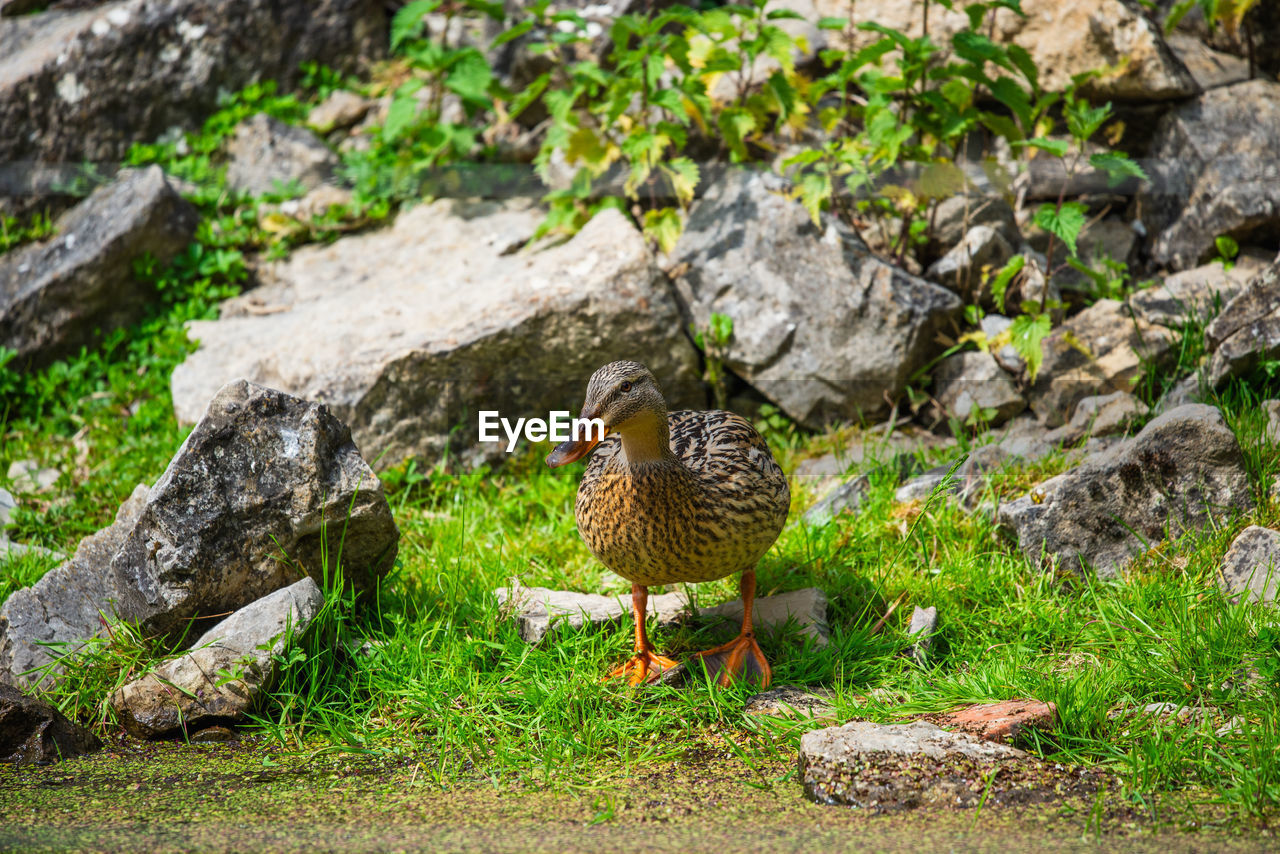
646,664
742,655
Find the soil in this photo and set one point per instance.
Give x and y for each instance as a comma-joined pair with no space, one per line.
250,795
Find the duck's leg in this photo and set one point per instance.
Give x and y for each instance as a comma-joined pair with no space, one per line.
740,657
646,664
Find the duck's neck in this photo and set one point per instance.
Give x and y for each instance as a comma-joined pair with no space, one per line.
646,440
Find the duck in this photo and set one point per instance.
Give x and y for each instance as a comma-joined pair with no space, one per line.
686,496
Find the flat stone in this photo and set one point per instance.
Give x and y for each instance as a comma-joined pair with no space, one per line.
226,672
807,608
341,110
844,498
70,290
29,476
1118,345
1196,294
1004,722
1183,471
1259,298
539,610
32,732
214,735
407,333
1251,566
822,327
1210,68
972,387
1099,416
1248,330
788,701
266,155
8,504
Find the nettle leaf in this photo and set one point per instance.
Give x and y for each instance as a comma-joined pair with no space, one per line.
977,48
783,92
1065,222
1021,59
832,23
684,176
1000,284
1027,334
663,227
814,190
403,111
1056,147
736,124
486,7
408,21
1083,121
784,15
470,76
1118,167
672,101
511,33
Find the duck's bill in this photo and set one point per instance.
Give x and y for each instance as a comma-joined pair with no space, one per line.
571,451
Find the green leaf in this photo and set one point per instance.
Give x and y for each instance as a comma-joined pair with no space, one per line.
1227,246
1000,284
663,227
470,76
1083,120
1056,147
735,124
408,21
403,111
529,94
511,33
721,327
1027,334
1021,59
977,48
1118,167
784,15
832,23
815,189
684,176
1065,223
783,92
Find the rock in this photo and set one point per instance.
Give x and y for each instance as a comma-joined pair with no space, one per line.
1215,171
32,732
1272,433
965,267
1252,565
315,204
894,766
1117,343
924,623
972,387
28,476
269,156
1196,294
969,480
66,606
68,291
889,443
537,610
1004,722
1210,68
822,328
1100,415
957,215
8,504
439,317
790,702
1008,358
844,498
341,110
97,80
214,735
1260,298
1181,472
227,670
806,607
1248,330
1064,39
263,475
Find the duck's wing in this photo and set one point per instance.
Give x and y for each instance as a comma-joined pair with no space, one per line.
726,452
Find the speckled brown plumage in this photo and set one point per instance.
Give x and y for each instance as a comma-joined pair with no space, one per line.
711,511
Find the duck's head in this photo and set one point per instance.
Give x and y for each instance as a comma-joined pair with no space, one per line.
623,395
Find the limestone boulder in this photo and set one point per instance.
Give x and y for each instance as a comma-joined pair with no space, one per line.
1251,566
266,155
1181,472
821,327
1248,330
228,670
1197,294
68,291
407,334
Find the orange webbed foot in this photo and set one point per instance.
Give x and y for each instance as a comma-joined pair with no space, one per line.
644,666
740,658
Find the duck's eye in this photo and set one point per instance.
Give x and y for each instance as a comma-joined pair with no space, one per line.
626,386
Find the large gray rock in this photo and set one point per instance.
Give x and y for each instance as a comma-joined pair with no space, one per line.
822,327
407,333
1100,350
66,606
84,85
1215,170
266,489
972,385
894,766
68,291
1252,565
1181,472
267,155
32,732
1248,330
227,670
1196,294
1064,39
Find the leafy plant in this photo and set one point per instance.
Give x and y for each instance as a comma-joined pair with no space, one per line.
713,341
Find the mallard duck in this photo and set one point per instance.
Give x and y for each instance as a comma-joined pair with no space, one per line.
675,496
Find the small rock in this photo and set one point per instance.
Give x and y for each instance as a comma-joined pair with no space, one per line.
317,202
924,623
538,609
1117,345
27,476
267,155
8,504
1181,471
973,385
1006,356
845,498
1003,722
1252,565
957,215
341,110
32,732
894,766
806,607
214,735
1099,416
965,265
1272,433
790,702
1210,68
1248,330
1259,298
227,670
1197,293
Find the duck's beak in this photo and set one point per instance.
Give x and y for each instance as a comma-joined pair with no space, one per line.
575,449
